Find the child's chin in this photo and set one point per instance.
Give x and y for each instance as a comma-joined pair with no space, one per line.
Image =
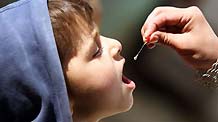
124,107
128,105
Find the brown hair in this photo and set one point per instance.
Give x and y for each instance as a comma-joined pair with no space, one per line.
71,19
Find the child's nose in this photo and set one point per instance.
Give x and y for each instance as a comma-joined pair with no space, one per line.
116,49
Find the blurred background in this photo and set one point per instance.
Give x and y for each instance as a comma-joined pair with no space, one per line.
166,87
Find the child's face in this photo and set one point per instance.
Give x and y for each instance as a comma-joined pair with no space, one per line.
96,79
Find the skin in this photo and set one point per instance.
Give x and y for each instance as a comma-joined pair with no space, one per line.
187,31
96,82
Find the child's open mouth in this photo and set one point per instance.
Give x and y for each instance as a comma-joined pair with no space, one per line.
126,80
129,83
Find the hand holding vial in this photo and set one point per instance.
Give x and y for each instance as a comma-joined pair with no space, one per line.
187,31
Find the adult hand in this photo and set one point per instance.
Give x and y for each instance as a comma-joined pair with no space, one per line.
187,31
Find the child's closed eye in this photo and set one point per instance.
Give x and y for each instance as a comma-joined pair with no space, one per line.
98,52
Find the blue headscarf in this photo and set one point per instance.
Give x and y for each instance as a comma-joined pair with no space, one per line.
32,86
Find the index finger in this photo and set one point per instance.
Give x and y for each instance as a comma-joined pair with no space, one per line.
164,16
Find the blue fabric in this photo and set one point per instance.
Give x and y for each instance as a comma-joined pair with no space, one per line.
32,86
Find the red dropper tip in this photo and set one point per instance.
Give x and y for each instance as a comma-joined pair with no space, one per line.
147,39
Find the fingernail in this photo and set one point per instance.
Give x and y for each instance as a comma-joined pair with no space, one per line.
146,34
144,38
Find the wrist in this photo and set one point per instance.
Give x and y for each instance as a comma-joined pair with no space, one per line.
211,54
216,49
209,78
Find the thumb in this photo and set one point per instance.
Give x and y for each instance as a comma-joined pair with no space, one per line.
170,39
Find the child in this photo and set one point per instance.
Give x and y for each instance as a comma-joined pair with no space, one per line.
91,63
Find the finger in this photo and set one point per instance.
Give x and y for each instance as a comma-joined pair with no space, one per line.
173,40
163,16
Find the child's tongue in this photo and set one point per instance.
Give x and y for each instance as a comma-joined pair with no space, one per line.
125,79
